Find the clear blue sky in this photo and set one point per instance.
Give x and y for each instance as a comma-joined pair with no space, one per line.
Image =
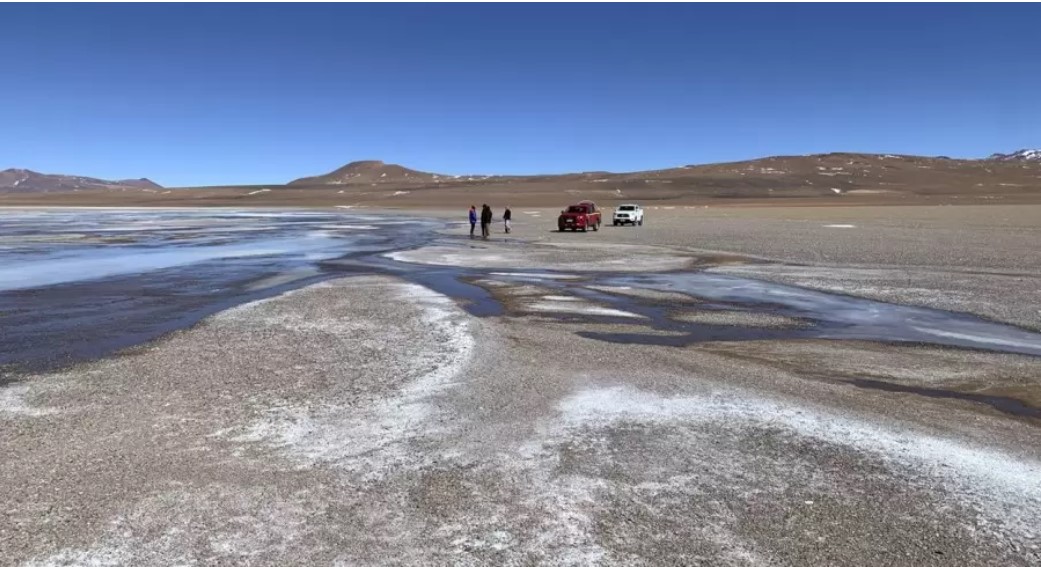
220,94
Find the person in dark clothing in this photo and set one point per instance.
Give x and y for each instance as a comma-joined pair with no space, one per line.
506,216
486,220
473,219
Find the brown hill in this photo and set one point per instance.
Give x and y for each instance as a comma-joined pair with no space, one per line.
28,181
143,183
821,175
841,174
368,172
825,179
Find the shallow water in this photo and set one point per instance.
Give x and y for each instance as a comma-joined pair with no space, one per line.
1004,404
71,291
827,316
79,284
42,249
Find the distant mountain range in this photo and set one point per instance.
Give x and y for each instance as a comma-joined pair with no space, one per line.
1021,155
375,173
28,181
805,176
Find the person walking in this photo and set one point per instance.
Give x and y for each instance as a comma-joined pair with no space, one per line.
473,219
486,221
506,216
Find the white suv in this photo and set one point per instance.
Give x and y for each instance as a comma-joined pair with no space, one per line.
628,213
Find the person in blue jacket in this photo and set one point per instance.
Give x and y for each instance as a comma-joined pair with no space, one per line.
473,219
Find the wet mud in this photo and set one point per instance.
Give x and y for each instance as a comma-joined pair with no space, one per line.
1003,404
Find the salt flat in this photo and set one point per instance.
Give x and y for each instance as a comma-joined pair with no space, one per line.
384,416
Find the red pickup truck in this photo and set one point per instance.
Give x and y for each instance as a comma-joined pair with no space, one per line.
581,216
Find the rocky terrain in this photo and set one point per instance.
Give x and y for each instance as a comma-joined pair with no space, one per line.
28,181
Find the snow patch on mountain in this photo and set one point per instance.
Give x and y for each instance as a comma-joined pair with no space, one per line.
1021,155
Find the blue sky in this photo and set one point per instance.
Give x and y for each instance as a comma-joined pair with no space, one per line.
221,94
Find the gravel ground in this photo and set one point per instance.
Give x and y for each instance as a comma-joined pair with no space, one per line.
984,260
370,421
738,318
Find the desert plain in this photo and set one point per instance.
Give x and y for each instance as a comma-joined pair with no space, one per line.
725,385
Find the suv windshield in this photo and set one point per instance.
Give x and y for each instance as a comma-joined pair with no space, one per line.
576,209
627,208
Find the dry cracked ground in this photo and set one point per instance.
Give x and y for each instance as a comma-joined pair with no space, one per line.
368,420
